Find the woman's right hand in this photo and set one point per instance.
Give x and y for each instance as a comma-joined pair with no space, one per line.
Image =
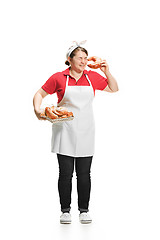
39,114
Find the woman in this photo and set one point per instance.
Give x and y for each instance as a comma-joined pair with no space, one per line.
73,141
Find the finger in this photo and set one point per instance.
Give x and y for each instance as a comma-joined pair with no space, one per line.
103,65
42,117
104,62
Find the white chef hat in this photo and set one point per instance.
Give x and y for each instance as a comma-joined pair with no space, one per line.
74,45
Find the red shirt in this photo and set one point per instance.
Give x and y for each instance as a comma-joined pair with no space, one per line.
57,82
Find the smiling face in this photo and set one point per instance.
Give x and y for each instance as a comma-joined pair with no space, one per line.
79,61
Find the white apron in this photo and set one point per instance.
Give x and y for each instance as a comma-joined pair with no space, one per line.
76,137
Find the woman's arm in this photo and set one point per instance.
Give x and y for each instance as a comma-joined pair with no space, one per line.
112,84
37,100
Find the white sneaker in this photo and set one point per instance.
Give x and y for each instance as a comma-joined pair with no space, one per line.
85,218
65,218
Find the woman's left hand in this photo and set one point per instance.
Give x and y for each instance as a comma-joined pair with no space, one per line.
104,66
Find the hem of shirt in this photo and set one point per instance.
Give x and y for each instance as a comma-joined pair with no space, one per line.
105,86
73,155
46,90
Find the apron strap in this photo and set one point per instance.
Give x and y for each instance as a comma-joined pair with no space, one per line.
67,80
89,81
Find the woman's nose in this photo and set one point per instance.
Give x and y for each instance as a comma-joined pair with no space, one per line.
84,61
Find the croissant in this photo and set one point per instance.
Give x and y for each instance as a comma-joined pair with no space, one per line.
57,112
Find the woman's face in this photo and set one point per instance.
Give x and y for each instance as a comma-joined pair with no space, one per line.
79,61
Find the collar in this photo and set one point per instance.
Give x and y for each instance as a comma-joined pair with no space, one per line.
66,72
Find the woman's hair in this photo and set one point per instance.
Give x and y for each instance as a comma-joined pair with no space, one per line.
74,53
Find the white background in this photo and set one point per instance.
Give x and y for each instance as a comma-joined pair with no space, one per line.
125,172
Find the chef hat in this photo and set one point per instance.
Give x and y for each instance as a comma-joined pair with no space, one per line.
74,45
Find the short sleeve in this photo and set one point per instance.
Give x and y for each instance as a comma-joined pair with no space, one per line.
50,84
99,82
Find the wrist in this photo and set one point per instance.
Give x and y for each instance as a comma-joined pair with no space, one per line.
107,72
37,110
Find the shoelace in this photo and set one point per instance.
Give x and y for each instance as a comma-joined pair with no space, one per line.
84,215
66,215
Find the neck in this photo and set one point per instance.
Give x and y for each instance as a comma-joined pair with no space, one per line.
75,74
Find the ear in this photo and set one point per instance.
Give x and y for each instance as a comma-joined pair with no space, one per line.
69,60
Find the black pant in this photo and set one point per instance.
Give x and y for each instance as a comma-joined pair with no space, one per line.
66,168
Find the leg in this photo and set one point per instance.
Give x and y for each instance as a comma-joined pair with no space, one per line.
66,167
83,166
